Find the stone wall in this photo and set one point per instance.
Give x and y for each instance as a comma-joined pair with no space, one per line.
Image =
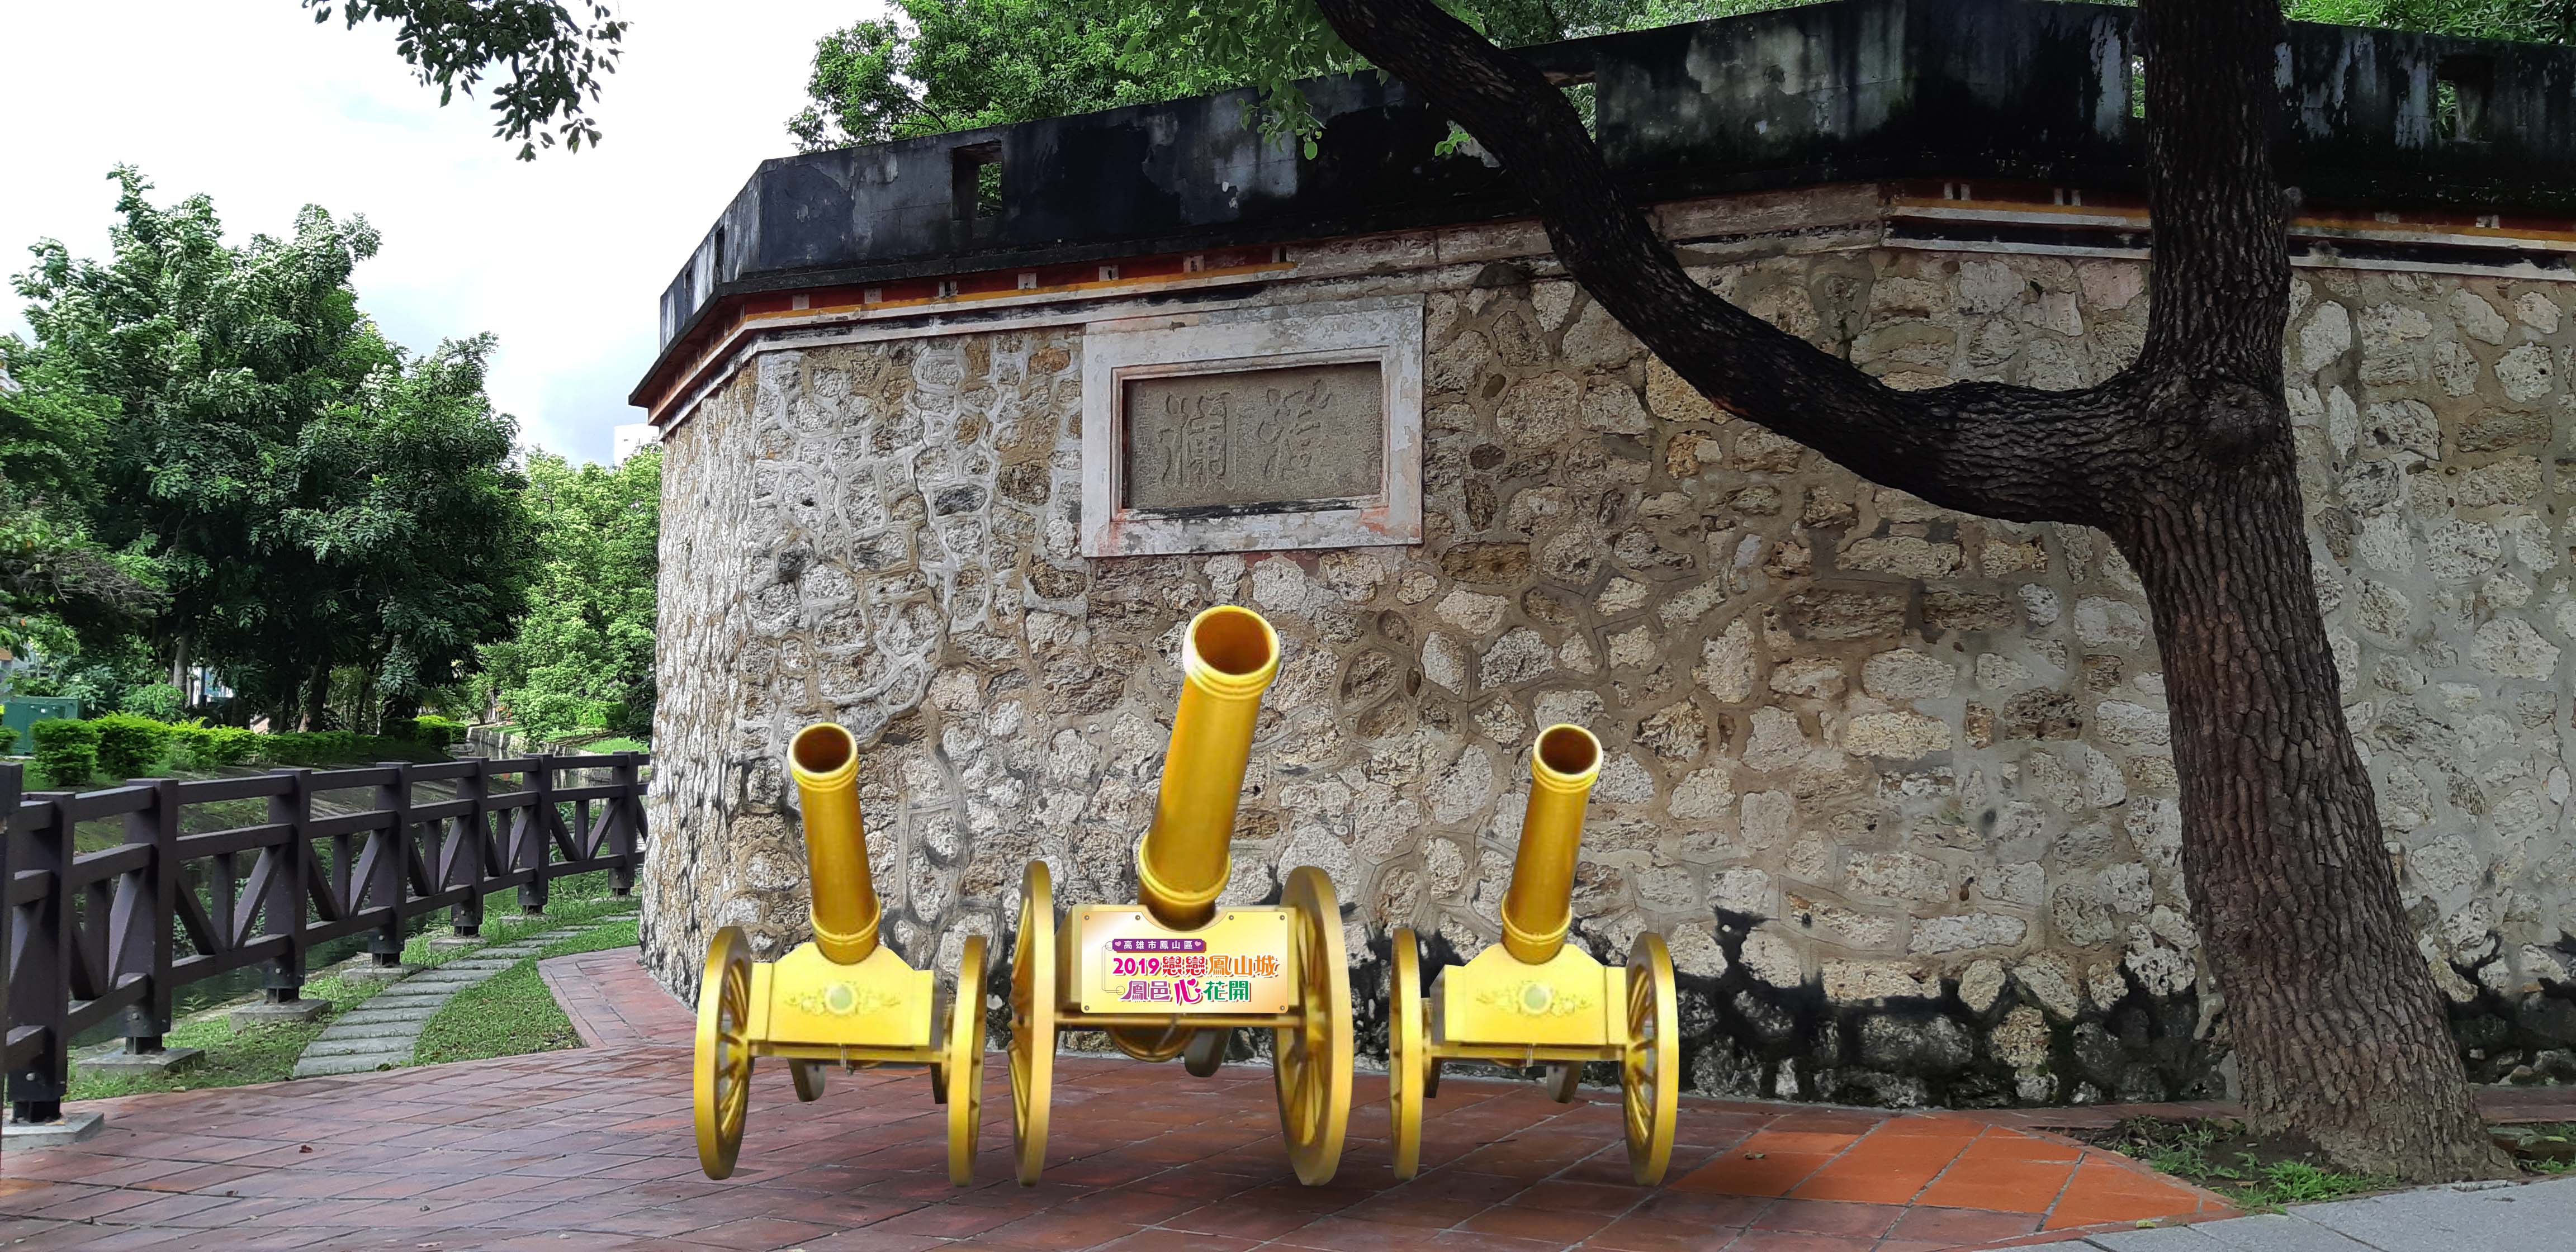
1893,780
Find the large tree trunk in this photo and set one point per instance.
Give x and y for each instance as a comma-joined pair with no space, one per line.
2338,1030
2186,459
317,708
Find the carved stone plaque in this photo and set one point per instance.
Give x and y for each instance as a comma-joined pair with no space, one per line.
1253,428
1249,438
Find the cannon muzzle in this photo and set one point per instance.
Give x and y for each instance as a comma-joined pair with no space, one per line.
1228,657
1540,904
824,759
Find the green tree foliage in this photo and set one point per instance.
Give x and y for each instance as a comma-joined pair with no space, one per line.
583,655
56,580
943,65
305,493
551,58
2536,21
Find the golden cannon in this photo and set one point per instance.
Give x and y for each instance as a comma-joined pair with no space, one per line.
1174,974
843,997
1536,999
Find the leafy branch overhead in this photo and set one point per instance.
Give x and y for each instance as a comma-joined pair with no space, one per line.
549,58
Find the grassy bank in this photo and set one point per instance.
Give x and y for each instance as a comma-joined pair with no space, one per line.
512,1012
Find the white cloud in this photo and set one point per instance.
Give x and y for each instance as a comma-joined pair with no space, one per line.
256,105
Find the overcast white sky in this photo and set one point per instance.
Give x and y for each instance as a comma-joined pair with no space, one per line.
254,104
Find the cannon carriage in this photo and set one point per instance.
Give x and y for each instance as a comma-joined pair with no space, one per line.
1535,999
841,998
1173,974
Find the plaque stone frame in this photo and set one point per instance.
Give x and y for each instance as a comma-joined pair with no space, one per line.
1116,354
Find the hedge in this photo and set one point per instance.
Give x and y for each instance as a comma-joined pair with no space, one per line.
125,745
130,745
66,750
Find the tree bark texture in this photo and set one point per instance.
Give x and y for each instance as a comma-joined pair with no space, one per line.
2186,460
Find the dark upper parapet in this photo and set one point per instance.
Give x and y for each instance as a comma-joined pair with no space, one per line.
1855,89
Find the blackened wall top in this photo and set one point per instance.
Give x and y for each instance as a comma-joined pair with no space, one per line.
1850,90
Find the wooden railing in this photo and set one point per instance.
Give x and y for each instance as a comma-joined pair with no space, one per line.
186,889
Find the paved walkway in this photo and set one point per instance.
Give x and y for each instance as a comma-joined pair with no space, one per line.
591,1148
383,1032
2488,1217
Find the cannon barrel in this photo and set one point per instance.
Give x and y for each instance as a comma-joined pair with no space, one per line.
1540,904
1228,657
824,759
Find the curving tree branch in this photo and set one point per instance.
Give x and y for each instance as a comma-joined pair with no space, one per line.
2001,451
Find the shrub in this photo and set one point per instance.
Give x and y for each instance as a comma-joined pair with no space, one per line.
8,739
225,745
427,730
158,701
66,750
188,741
129,746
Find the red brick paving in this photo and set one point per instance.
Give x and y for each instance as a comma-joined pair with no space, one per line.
591,1149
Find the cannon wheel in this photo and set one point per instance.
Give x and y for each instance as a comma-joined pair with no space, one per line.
1206,1050
809,1079
721,1083
1408,1053
962,1076
1033,1022
1650,1073
1312,1060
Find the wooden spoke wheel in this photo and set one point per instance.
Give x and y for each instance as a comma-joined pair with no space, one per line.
961,1075
1206,1050
721,1083
1562,1078
809,1079
1408,1053
1650,1073
1033,1022
1312,1059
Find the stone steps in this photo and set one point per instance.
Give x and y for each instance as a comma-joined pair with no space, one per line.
384,1032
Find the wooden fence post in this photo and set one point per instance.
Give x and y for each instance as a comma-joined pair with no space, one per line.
474,830
39,988
10,778
140,922
539,836
390,881
628,823
283,904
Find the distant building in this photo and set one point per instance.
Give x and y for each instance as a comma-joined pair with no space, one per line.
632,437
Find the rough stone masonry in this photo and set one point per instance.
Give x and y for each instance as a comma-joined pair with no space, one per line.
1893,781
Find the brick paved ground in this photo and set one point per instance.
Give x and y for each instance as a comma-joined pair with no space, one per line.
591,1149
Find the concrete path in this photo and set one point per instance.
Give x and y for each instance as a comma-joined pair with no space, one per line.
381,1033
2476,1217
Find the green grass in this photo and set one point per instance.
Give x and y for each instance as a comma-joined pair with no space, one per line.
512,1012
2259,1176
269,1053
570,902
615,743
233,1058
2542,1149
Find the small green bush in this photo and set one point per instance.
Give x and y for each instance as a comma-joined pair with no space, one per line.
428,730
66,750
8,739
129,746
158,701
188,741
225,745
